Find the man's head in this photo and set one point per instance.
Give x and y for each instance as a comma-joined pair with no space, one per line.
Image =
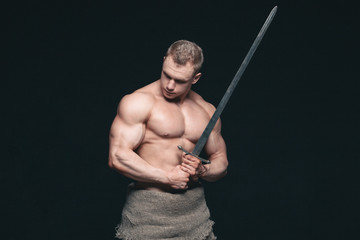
183,51
181,69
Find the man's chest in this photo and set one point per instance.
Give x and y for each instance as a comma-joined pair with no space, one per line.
172,121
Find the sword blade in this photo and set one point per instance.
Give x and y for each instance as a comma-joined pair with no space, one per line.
205,135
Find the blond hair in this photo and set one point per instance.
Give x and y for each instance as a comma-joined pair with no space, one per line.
183,51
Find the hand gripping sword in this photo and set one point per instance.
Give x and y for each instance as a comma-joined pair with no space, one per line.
205,135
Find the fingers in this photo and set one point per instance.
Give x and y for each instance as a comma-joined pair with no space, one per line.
188,169
190,157
179,177
193,173
182,183
183,186
185,172
190,164
191,160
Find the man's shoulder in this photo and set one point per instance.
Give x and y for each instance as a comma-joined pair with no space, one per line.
136,106
140,96
195,97
136,99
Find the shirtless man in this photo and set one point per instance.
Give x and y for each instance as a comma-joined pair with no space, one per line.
149,125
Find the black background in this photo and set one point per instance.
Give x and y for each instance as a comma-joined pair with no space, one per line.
291,127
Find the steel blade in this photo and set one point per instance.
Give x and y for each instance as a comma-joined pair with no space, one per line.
205,135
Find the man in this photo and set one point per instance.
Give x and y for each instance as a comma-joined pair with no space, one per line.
167,200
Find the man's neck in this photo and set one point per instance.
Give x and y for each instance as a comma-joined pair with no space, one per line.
180,99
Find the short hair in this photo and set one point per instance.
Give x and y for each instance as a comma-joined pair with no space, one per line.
184,51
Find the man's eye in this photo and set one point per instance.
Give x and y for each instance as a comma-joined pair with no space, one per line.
180,81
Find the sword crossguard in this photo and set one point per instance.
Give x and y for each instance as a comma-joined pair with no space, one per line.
203,161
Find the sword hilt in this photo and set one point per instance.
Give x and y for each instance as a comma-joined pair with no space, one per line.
203,161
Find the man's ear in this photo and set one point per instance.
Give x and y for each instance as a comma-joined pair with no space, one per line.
196,78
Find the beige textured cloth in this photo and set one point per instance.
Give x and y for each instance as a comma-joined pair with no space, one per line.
159,215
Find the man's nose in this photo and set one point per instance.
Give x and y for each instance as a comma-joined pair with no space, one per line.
171,85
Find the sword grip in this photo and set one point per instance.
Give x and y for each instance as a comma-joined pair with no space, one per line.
203,161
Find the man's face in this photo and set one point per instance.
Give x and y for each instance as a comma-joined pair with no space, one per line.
176,80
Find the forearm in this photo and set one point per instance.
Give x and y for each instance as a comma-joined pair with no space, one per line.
216,170
131,165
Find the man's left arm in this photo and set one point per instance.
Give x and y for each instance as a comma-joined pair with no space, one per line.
215,149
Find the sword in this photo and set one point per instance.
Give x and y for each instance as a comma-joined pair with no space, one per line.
205,135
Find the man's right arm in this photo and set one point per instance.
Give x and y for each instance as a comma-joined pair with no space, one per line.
127,133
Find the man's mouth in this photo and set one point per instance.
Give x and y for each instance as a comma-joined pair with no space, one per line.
168,93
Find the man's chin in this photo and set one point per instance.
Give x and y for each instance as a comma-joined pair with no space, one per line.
171,97
168,95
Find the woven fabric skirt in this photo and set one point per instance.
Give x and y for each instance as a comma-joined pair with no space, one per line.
160,215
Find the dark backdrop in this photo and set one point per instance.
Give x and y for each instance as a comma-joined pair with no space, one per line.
291,127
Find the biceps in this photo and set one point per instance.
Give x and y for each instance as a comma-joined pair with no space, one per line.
215,145
126,135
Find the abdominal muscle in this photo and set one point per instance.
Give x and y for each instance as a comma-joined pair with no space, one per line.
163,154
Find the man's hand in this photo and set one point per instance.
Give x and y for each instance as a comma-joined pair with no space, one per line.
178,179
192,166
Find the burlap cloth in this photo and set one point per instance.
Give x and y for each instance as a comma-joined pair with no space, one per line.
160,215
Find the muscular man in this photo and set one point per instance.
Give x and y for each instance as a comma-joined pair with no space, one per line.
167,200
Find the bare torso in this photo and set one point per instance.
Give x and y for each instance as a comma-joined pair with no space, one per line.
150,124
171,124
